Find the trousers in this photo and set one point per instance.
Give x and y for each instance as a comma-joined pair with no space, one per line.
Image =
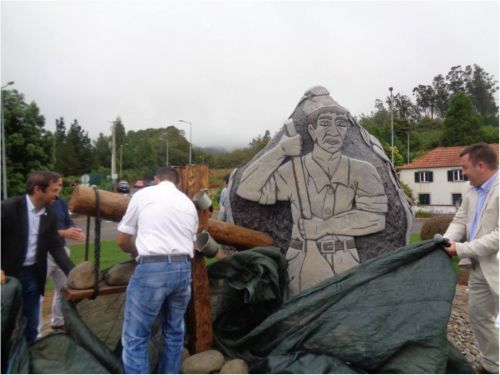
483,310
156,289
31,302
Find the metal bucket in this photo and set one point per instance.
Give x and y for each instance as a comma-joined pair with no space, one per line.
202,200
206,245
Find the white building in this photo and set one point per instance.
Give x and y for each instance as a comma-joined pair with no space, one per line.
436,179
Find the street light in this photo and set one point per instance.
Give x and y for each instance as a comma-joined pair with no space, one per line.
190,143
4,164
392,129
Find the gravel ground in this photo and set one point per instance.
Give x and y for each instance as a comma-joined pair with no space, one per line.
459,330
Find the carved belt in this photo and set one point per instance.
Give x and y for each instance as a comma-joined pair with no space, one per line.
326,246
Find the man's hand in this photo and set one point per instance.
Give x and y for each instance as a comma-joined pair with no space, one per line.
451,249
291,146
312,229
4,279
72,233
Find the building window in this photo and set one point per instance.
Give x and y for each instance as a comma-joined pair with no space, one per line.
456,199
456,175
424,176
424,199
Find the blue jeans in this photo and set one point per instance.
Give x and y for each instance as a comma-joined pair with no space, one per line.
31,302
164,289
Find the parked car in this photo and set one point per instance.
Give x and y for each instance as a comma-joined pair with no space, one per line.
139,184
150,183
123,187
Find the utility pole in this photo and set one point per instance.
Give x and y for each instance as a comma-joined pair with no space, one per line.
113,154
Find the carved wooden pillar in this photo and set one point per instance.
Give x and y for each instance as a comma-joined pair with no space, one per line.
199,324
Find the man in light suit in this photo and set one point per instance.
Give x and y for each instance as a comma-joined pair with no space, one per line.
477,220
29,233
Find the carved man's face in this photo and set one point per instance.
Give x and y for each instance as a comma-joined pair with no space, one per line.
330,131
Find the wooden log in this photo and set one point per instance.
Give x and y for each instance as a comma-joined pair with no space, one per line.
239,237
78,294
199,320
114,205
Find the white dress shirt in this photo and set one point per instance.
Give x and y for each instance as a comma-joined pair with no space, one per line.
34,215
163,219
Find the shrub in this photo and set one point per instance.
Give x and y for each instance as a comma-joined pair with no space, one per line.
436,224
422,213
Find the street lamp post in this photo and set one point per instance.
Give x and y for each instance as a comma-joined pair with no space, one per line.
4,163
190,143
392,129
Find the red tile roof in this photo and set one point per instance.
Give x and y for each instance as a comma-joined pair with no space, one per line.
440,157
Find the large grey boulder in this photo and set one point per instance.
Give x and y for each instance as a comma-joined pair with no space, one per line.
120,274
368,167
82,276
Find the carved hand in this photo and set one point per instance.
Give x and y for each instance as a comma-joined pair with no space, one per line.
312,229
291,146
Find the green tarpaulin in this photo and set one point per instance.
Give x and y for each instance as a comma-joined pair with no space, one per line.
387,315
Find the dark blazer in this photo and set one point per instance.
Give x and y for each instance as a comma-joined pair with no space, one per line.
15,239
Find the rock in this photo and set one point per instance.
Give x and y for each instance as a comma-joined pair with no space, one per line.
185,354
120,274
235,366
203,363
364,172
82,276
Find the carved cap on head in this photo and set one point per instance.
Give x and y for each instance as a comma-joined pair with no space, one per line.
317,100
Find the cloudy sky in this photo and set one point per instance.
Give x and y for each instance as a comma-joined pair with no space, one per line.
232,68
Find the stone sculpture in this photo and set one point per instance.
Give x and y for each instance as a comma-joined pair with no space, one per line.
326,185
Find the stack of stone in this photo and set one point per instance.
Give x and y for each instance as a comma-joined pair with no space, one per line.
212,362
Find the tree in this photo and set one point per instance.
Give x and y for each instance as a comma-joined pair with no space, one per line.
120,133
28,146
76,150
102,151
426,99
462,124
481,88
441,95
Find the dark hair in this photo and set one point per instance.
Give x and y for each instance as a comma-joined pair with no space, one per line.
169,174
41,179
226,178
481,152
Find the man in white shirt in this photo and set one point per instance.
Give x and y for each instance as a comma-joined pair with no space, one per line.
164,221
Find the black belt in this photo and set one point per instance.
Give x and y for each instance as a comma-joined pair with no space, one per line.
163,258
326,246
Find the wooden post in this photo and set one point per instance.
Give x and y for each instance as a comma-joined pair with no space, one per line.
199,324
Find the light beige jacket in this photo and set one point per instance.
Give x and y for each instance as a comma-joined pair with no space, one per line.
485,245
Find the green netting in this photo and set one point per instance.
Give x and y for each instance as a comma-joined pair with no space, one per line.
387,315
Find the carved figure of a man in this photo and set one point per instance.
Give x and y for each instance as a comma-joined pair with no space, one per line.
334,198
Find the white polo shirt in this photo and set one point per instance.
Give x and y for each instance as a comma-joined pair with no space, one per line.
163,219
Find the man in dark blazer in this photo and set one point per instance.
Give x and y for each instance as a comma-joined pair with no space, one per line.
29,233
